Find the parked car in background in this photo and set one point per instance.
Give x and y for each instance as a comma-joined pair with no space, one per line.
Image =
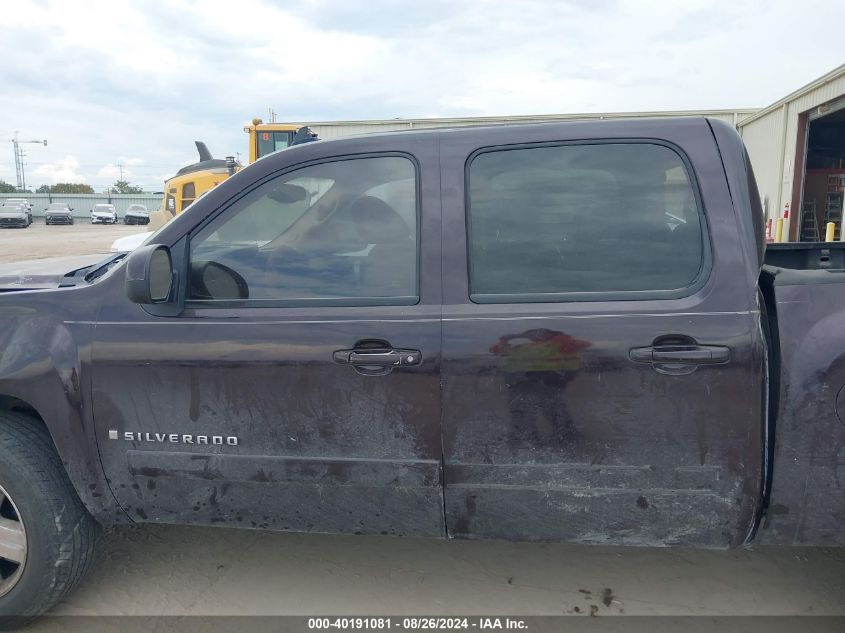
103,214
20,202
59,213
136,214
15,215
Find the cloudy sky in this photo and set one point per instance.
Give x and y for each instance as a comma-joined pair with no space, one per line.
135,82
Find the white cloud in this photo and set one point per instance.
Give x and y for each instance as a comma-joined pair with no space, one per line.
111,172
132,82
63,170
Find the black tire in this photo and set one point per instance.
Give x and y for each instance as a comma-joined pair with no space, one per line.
60,535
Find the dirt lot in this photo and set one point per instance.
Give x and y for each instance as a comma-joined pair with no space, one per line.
180,571
41,241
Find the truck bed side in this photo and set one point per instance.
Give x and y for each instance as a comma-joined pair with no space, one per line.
806,309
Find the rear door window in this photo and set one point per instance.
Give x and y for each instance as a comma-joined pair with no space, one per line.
583,221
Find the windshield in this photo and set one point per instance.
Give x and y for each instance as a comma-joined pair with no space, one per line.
57,206
104,207
136,207
269,142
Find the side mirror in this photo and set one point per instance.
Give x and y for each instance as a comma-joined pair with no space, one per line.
149,274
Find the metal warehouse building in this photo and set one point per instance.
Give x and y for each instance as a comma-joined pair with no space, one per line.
796,145
797,149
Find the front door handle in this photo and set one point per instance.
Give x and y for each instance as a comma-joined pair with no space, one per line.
378,357
682,354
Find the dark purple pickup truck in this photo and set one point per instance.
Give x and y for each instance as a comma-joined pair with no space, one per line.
558,332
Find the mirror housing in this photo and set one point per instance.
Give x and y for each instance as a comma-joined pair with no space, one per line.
149,274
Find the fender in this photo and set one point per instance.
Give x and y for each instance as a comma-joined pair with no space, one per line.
44,360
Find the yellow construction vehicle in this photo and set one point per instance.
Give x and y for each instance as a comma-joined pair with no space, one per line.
266,138
193,180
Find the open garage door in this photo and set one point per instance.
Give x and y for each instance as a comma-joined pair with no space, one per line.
823,180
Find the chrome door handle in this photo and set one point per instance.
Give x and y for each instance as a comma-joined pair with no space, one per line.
378,357
660,356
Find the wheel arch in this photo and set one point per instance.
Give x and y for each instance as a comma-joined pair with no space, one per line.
45,349
81,463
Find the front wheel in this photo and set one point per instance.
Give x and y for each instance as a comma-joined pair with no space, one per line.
47,537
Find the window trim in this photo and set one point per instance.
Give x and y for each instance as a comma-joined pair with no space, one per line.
704,272
352,302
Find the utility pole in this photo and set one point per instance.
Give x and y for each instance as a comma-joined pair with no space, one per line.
19,164
120,167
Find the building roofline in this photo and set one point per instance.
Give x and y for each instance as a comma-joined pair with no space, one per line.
540,117
836,73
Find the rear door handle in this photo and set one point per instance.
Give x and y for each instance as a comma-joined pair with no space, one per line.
388,357
681,354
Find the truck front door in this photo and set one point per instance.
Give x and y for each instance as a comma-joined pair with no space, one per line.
602,363
300,387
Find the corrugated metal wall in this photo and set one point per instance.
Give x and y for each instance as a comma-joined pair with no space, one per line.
334,129
764,139
81,203
771,137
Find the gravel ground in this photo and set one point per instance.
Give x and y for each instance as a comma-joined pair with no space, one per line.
179,571
40,241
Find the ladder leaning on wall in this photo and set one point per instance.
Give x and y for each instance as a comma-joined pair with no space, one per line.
809,223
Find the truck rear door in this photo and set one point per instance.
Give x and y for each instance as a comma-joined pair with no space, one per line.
602,359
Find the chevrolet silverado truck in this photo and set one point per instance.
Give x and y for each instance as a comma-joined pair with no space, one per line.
553,332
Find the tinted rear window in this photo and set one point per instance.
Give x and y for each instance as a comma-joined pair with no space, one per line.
554,223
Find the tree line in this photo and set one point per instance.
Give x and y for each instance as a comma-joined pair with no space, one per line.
121,186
